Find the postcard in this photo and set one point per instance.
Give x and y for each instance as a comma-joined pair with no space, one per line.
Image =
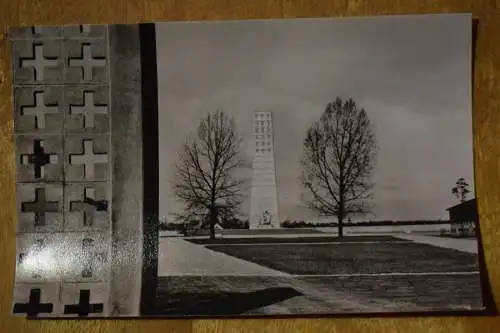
295,167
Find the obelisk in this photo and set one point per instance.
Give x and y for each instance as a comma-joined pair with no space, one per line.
263,193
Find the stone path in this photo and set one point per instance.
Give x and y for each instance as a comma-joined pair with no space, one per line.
468,245
179,257
190,269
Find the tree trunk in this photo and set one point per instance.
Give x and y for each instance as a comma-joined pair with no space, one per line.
212,230
212,222
340,223
341,214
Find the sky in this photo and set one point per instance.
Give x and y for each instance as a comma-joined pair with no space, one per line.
412,75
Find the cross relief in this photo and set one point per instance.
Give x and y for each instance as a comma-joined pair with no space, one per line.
83,307
39,109
39,207
84,29
38,61
90,258
89,109
88,159
55,135
36,30
39,159
35,265
86,62
89,206
35,306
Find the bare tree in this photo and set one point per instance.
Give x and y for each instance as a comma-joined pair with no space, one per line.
338,161
461,189
204,173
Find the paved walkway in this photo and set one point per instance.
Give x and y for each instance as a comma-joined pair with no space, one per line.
179,257
461,244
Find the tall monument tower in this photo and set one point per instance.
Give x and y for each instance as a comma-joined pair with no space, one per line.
263,196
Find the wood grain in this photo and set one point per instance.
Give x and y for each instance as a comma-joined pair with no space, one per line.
486,124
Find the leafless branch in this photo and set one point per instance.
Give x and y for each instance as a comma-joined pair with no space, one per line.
204,179
338,161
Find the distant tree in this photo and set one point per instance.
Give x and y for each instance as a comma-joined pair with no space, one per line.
338,161
204,179
461,189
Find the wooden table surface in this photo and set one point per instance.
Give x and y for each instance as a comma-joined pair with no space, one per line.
486,129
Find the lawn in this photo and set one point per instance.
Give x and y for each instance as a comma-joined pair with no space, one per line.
278,231
256,232
303,239
353,258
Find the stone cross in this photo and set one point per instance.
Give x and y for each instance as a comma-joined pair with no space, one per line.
33,307
89,109
38,61
39,207
39,109
86,62
83,308
88,206
39,158
88,158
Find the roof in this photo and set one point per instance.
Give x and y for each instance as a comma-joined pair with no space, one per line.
465,203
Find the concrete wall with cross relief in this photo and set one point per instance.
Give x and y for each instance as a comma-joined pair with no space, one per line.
77,119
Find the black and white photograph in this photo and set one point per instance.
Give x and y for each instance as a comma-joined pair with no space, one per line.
286,167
